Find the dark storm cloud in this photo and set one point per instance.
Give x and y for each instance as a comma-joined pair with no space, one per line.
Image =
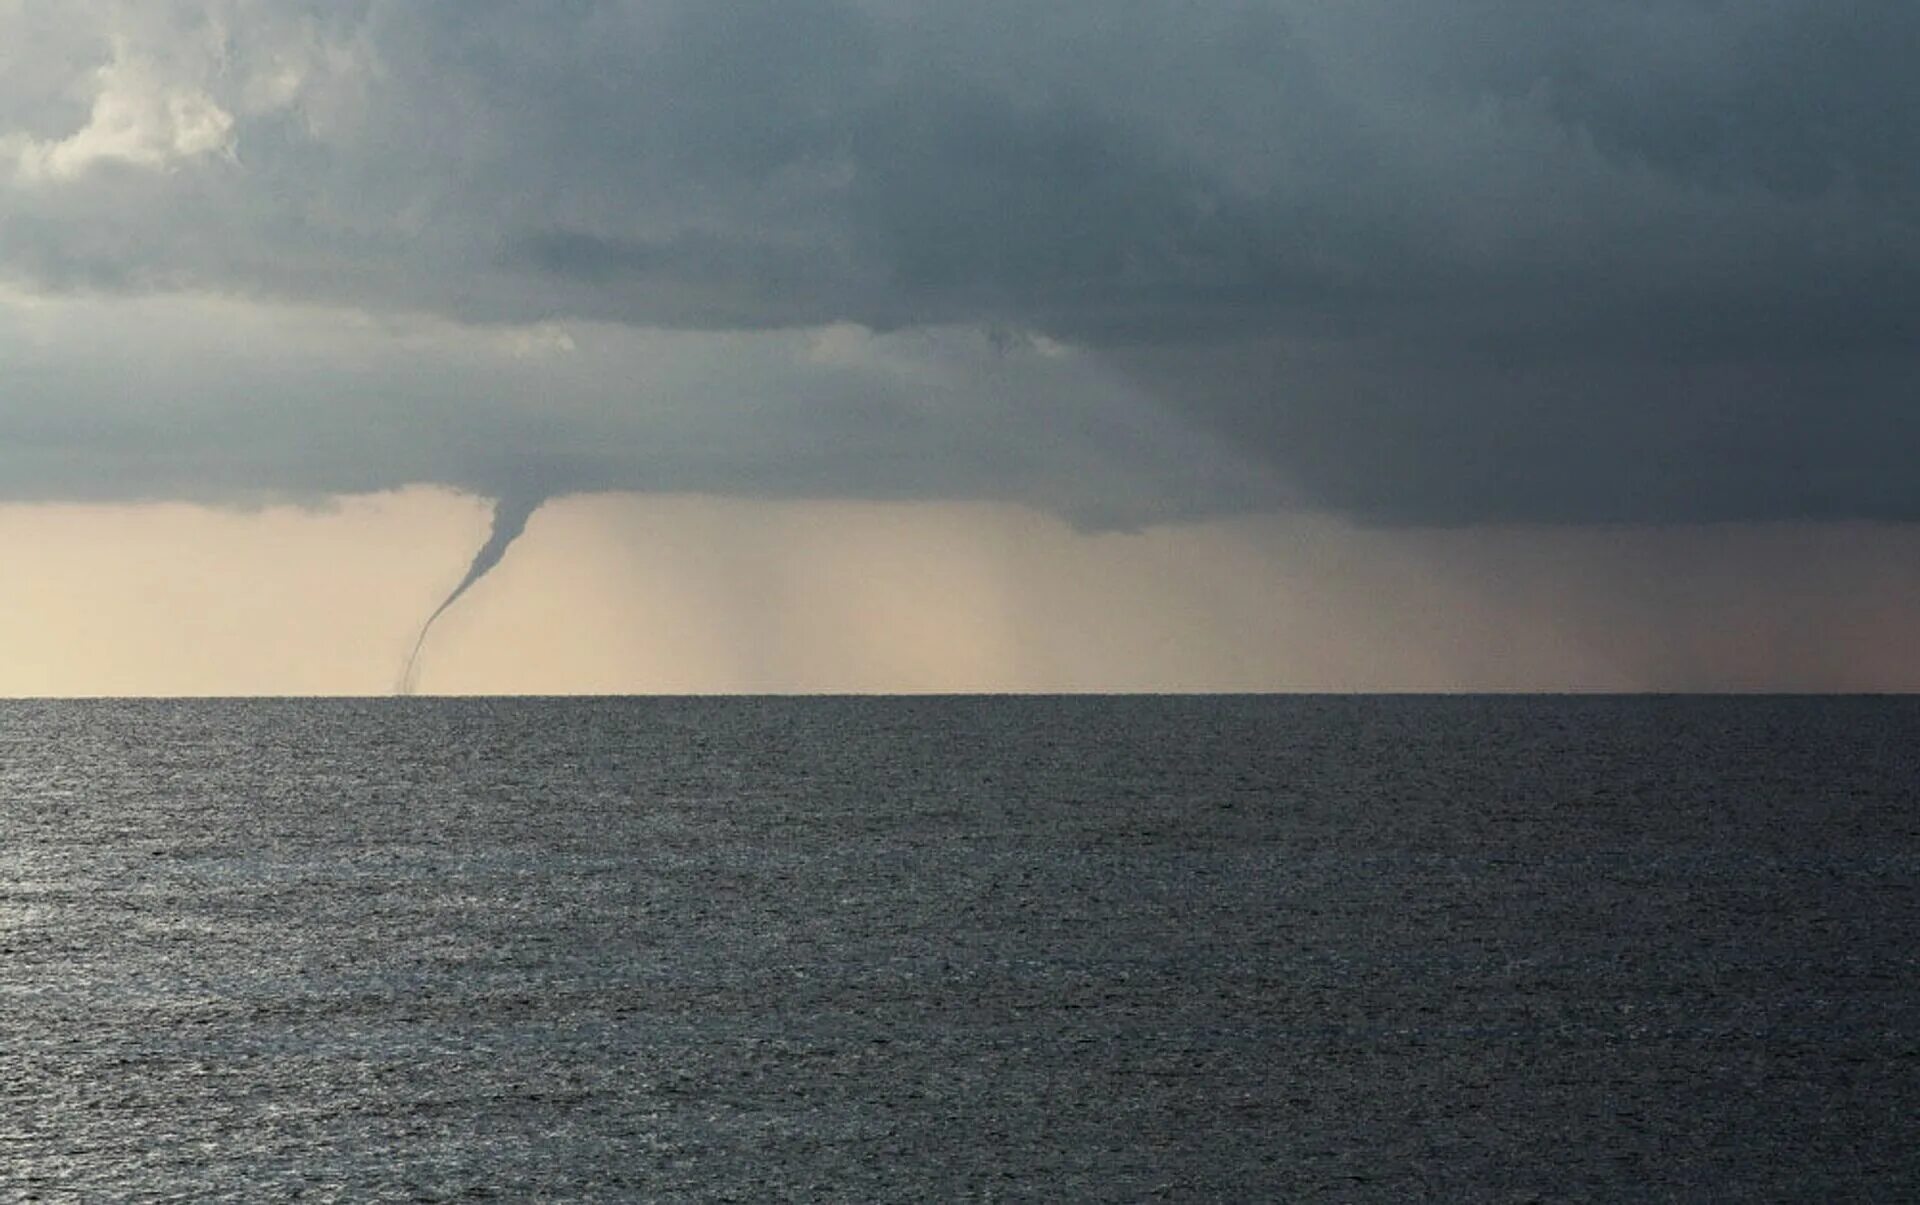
1485,260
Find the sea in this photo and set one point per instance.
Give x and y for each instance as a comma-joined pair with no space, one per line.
961,949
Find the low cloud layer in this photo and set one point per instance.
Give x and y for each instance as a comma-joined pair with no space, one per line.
1488,261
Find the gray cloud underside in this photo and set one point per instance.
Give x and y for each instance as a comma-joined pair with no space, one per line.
1449,263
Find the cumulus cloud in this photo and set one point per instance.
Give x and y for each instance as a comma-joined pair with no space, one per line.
1495,260
136,120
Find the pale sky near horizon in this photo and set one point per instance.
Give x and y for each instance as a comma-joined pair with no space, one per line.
942,345
648,594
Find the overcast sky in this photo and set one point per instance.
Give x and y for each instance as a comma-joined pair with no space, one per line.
1396,266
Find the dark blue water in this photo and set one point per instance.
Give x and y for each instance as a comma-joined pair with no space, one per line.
1045,949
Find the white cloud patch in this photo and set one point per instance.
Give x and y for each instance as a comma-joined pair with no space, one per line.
137,118
541,341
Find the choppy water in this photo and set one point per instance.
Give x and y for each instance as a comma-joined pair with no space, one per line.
1103,949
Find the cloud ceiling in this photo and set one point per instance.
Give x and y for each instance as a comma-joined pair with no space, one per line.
1428,263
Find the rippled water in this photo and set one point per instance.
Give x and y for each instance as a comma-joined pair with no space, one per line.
1052,949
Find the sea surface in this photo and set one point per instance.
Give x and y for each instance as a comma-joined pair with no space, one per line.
1048,949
